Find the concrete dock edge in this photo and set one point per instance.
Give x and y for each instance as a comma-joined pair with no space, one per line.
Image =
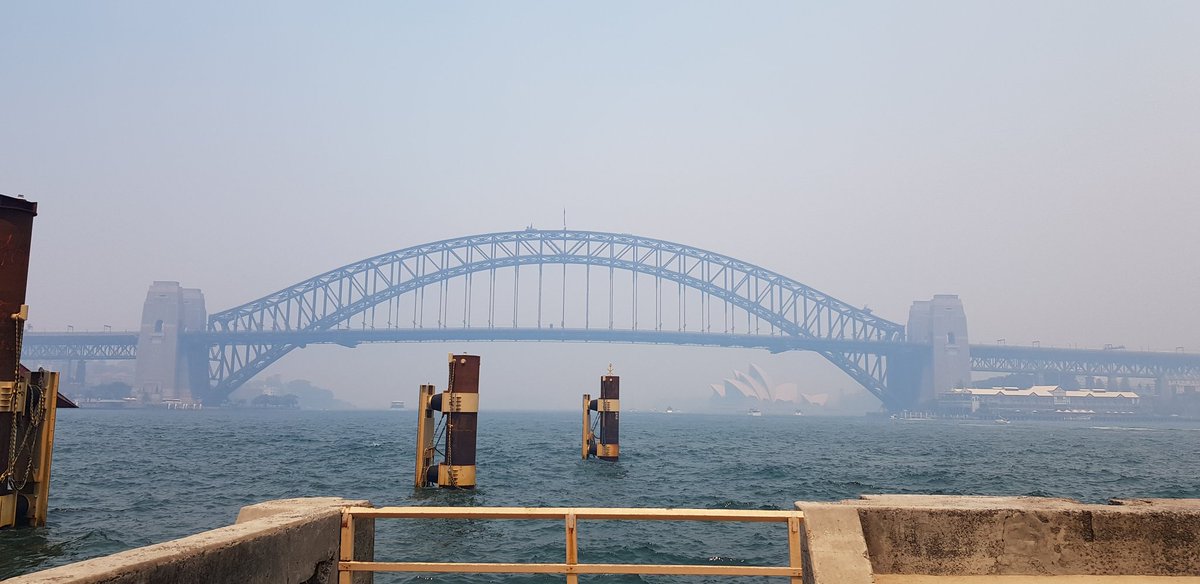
292,541
833,546
927,537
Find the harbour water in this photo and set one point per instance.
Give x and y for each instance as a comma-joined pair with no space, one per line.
130,478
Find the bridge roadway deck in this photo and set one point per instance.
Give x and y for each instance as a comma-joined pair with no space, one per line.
87,346
47,346
1117,363
80,338
351,337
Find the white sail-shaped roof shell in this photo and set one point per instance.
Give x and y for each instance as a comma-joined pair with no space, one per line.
760,392
732,385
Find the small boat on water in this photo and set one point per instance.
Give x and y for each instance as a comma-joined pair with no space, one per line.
1002,421
754,412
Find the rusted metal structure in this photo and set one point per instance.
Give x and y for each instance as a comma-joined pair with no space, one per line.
16,232
608,410
459,406
28,399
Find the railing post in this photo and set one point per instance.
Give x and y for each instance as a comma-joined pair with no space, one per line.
796,559
572,549
346,549
571,567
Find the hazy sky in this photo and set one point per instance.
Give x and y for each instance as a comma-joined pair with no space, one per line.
1040,159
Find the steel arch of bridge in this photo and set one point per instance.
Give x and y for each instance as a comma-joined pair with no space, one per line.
332,299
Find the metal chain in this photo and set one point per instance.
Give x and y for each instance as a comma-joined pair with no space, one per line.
37,416
438,432
35,429
592,436
12,441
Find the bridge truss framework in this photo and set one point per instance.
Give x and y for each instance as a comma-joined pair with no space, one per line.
760,301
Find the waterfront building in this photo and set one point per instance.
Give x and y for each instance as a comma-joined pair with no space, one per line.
1039,401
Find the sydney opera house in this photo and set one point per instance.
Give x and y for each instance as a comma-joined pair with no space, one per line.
754,389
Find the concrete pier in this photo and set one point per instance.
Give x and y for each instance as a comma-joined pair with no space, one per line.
292,541
878,539
911,539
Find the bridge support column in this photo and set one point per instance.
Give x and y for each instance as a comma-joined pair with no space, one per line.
942,323
165,366
905,375
1164,395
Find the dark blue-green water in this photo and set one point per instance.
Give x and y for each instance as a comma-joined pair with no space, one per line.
130,478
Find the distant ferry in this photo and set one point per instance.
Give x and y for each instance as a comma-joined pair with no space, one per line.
110,404
755,412
397,405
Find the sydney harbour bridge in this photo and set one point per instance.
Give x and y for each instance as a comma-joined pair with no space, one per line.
570,286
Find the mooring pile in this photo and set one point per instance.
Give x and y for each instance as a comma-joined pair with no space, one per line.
608,418
28,399
459,406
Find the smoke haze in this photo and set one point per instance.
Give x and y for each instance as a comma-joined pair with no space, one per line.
1037,159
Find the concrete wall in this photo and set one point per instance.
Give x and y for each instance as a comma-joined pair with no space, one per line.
293,541
999,536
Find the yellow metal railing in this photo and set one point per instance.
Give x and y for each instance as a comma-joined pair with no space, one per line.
570,516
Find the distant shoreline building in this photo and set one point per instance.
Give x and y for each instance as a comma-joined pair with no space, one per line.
1039,401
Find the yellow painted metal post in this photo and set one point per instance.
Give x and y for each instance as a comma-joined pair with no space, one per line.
46,448
572,549
795,557
8,510
587,399
424,436
346,553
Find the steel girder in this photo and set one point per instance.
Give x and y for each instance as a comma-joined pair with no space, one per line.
78,346
353,337
1114,363
327,300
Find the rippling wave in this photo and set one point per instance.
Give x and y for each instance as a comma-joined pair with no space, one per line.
129,478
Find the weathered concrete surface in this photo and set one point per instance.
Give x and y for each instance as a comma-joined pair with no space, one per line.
294,541
922,579
833,546
887,539
961,536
